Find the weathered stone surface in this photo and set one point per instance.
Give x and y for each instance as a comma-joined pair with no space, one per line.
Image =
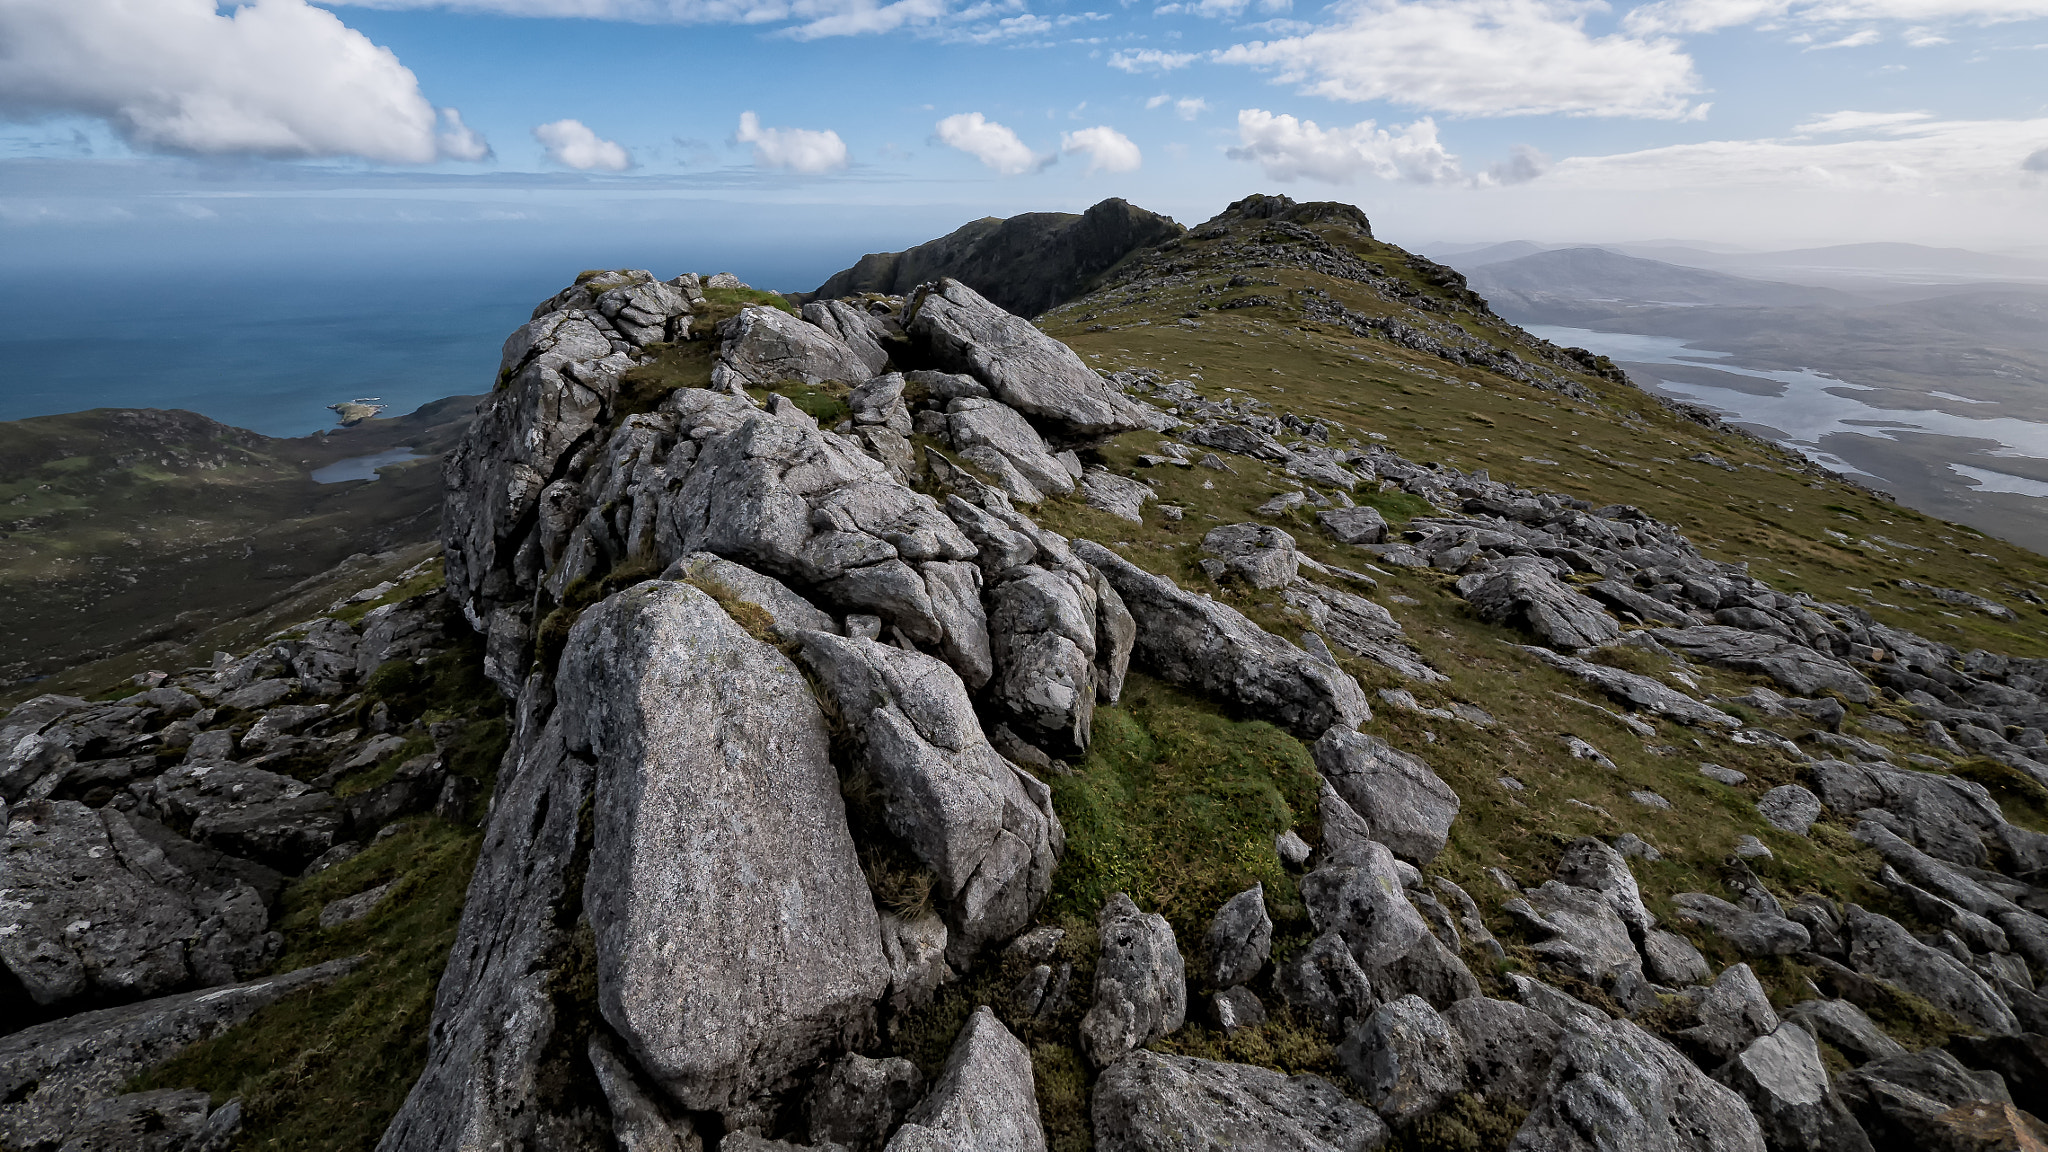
994,437
1148,1102
1614,1086
1240,938
1733,1012
1140,983
1903,1101
716,807
639,1121
1781,1076
1405,1060
858,1101
1791,665
1237,1008
1507,1047
1360,525
1584,936
984,1100
1879,946
1193,640
53,1074
1671,959
90,909
1789,808
1946,817
1404,805
1257,554
1636,691
1116,495
1524,591
789,612
985,828
1429,969
1844,1025
1364,903
1043,645
1752,933
763,346
273,819
1593,865
916,952
859,330
1021,366
1325,983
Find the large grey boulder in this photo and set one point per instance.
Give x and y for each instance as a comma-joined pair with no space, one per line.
1193,640
1404,805
1614,1086
1360,525
1360,627
1042,637
1789,808
984,827
763,346
1149,1102
1583,935
1240,938
1021,366
1844,1025
1365,904
1429,969
788,613
858,329
1507,1047
1947,817
26,754
266,817
1787,1087
1904,1101
1524,591
718,831
1257,554
1672,960
984,1099
1595,866
52,1075
994,437
1637,691
1325,983
640,1123
1406,1061
1119,496
1752,933
1140,983
1791,665
1881,947
95,910
1733,1012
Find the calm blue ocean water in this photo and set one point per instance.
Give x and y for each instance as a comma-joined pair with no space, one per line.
269,347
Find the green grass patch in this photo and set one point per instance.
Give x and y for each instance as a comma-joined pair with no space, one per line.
825,403
2020,796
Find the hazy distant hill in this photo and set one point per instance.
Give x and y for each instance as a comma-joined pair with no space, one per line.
1555,287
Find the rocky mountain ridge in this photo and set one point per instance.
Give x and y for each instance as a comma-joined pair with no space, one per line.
843,650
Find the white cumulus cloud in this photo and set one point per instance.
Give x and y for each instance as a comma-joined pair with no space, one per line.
1688,16
1860,121
572,145
1290,149
269,78
991,143
1151,60
1482,58
806,150
1108,150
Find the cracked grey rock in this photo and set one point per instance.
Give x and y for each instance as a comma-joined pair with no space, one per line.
1325,983
1752,933
1507,1048
1240,938
1733,1011
1614,1086
1402,803
1360,525
1257,554
1789,808
1792,666
1879,946
857,1101
983,1100
1406,1061
1524,591
763,346
1152,1102
1782,1077
1140,983
1639,692
996,438
1844,1025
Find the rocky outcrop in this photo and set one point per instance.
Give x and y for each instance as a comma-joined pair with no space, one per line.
716,806
1526,593
763,346
1140,983
1240,938
984,827
962,332
1196,641
983,1100
1402,803
1787,1087
1406,1061
1149,1102
1026,264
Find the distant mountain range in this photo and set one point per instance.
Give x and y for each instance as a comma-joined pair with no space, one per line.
1842,266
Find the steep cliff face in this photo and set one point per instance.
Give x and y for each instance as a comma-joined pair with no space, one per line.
1025,263
1162,729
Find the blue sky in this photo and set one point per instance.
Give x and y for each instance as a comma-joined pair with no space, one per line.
182,129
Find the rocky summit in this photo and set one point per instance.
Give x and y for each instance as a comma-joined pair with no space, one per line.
1264,701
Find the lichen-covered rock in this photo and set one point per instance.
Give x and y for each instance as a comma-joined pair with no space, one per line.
1149,1102
1733,1012
1404,804
1240,938
858,1101
1636,691
1507,1048
763,346
1140,983
1844,1025
1881,947
1193,640
1787,1087
1524,591
984,827
1614,1086
788,612
720,839
1593,865
1360,525
90,909
983,1101
1324,983
1789,808
1043,646
639,1121
269,818
1021,366
1364,903
860,330
1405,1060
1752,933
992,436
1946,817
1583,935
1791,665
1672,960
1257,554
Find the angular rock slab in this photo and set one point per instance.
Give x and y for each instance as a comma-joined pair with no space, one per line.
1240,938
1613,1086
1148,1102
1792,666
1193,640
1881,947
1404,805
736,938
1023,367
1524,591
764,345
1787,1087
1406,1060
984,827
985,1099
1141,988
